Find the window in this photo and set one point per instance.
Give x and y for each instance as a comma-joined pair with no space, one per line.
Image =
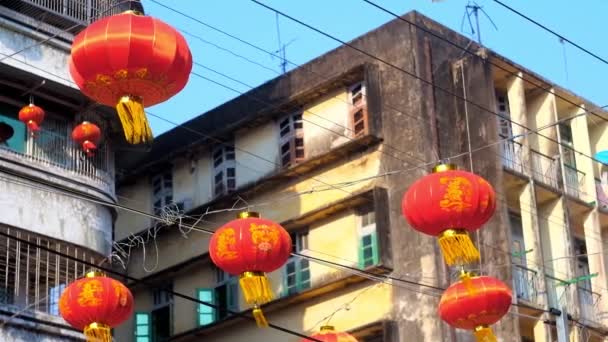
297,269
226,293
358,110
54,295
291,139
565,134
224,168
8,116
505,129
206,314
368,239
162,191
142,327
161,319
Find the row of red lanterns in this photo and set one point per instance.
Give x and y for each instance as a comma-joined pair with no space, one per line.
86,134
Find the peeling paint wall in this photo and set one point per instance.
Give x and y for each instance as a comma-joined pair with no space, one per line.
326,123
261,141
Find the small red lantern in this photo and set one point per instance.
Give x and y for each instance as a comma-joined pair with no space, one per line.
329,334
95,304
475,303
449,203
32,116
250,247
130,61
87,135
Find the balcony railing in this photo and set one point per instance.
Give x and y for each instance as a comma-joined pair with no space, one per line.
32,279
544,169
602,195
512,156
575,182
588,301
57,153
526,284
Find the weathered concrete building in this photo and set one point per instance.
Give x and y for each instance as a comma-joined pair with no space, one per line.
42,177
328,150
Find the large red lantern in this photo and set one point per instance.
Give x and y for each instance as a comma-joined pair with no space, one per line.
449,203
250,247
329,334
32,116
88,136
95,304
130,61
475,303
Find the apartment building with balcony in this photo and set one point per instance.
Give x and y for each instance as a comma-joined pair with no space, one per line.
318,149
43,177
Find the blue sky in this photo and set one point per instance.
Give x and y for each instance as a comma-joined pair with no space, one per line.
515,38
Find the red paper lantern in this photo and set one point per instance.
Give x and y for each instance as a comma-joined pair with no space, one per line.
475,303
87,135
329,334
250,247
95,304
32,116
449,203
130,61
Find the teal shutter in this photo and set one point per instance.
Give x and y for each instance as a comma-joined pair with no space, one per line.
17,141
206,314
368,251
233,294
142,327
303,274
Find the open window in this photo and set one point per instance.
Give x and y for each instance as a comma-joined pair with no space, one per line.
291,132
369,254
297,269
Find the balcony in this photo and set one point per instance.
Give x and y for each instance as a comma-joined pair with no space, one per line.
512,156
575,181
56,153
588,301
526,284
602,195
545,169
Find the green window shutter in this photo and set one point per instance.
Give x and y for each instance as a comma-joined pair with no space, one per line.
303,274
368,250
206,314
233,294
142,327
290,280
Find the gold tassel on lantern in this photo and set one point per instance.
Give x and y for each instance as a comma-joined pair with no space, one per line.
457,247
260,319
483,333
133,118
96,332
256,288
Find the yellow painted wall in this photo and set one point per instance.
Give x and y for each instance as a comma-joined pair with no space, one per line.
137,196
262,141
326,123
542,111
598,134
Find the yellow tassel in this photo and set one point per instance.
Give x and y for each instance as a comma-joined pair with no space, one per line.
457,247
96,332
133,118
260,319
465,277
484,334
256,288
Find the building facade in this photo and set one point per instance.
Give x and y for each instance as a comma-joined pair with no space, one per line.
44,177
328,150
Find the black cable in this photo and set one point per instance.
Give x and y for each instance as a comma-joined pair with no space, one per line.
472,53
149,284
413,75
551,31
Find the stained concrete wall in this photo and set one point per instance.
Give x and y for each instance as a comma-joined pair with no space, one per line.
48,60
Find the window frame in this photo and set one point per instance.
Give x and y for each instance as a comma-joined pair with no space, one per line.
291,135
358,106
54,298
164,195
200,307
231,283
301,266
368,230
147,337
223,161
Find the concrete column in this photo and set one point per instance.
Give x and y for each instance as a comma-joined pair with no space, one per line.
542,332
517,105
580,137
541,107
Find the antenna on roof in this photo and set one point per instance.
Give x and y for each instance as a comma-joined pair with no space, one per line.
473,9
282,51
